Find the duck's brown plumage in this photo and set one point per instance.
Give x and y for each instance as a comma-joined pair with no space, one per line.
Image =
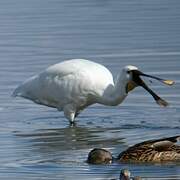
158,150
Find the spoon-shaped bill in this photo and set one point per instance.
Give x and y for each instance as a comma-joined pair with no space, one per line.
165,81
168,82
162,102
140,82
158,100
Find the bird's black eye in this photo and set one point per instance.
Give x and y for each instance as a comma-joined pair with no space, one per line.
128,72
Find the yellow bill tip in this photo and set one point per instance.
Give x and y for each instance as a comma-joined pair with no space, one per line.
168,82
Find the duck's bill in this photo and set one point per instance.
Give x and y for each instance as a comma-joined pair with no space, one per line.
140,82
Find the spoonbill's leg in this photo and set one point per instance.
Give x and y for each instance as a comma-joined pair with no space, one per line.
70,112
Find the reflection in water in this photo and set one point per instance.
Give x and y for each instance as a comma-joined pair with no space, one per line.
71,138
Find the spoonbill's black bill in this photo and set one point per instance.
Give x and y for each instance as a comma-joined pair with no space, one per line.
140,82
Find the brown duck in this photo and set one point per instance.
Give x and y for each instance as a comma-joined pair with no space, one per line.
159,150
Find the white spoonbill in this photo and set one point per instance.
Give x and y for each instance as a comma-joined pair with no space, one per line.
73,85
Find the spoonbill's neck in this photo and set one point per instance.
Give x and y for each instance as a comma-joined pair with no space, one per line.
116,94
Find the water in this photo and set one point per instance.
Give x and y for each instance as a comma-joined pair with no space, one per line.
36,142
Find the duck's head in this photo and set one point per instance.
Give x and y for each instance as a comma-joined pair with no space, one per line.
99,156
133,79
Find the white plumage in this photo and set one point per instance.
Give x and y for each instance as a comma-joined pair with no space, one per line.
75,84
